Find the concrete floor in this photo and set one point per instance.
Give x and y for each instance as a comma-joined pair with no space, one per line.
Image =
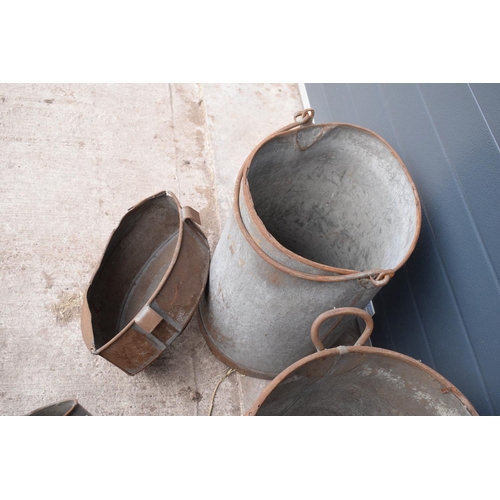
73,159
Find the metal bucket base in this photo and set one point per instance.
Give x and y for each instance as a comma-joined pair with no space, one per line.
349,337
218,354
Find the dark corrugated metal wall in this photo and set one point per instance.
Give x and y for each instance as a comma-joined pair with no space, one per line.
443,306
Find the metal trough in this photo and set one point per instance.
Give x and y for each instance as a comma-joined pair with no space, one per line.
323,216
359,380
69,408
147,285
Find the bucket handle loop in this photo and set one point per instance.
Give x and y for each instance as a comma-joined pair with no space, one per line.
301,118
382,279
304,116
341,311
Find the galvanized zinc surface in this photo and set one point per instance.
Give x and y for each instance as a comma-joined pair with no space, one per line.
311,188
443,306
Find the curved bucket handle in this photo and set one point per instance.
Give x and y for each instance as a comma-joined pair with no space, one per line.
341,311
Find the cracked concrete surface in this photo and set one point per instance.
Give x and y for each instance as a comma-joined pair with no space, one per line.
74,158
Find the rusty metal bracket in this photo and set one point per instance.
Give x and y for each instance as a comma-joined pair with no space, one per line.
191,213
148,319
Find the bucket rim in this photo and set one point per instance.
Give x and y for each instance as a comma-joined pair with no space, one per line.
340,351
340,274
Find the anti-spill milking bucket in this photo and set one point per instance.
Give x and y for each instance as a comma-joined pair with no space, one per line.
323,216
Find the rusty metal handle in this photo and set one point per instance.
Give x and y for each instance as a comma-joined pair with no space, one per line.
301,118
341,311
382,279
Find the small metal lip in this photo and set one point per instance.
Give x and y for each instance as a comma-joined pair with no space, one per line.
163,280
67,407
340,274
341,350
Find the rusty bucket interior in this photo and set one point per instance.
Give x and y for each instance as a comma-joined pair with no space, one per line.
337,195
359,380
148,284
136,259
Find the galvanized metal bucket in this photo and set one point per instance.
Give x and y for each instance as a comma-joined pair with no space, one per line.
147,285
69,408
323,216
358,380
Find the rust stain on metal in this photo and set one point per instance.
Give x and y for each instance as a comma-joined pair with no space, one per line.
451,389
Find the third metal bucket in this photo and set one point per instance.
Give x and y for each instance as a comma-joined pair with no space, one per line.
358,380
323,216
